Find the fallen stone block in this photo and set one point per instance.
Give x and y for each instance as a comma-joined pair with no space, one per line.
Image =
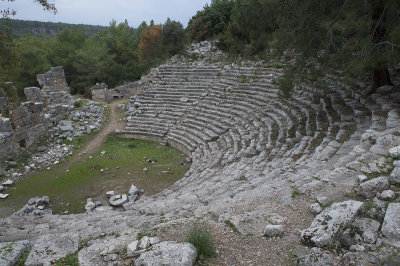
274,230
10,252
168,253
118,200
391,225
370,188
330,223
9,182
395,176
50,248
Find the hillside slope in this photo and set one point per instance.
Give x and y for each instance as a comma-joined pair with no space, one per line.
42,29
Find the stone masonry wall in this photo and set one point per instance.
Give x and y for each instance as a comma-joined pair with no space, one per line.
23,126
101,93
23,123
54,80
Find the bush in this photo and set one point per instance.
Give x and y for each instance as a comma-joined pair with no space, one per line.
285,86
78,104
201,238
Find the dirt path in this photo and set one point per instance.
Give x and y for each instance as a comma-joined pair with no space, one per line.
112,125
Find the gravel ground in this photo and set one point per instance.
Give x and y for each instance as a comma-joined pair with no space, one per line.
238,249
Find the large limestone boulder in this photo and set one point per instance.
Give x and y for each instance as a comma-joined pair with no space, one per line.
104,251
168,253
330,223
10,252
395,175
370,188
391,225
50,248
5,125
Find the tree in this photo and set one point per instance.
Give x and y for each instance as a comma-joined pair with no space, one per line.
359,36
8,60
33,55
93,63
173,39
150,43
211,21
63,51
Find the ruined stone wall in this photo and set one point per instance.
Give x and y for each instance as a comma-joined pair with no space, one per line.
100,92
24,124
54,80
131,88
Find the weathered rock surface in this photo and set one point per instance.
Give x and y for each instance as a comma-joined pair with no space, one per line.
316,257
133,193
10,252
330,223
395,175
118,200
274,230
50,248
369,188
104,251
395,152
315,208
168,253
391,225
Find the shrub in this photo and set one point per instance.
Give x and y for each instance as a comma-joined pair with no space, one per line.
77,104
285,86
201,238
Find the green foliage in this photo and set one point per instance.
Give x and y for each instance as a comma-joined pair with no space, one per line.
231,226
211,21
357,37
140,235
8,90
285,85
122,158
77,104
295,193
200,237
22,28
111,55
23,258
69,260
173,40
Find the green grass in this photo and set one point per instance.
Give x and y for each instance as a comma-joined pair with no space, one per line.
295,193
22,259
200,236
231,226
125,163
69,260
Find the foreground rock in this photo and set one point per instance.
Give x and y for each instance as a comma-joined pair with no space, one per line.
370,188
35,207
10,252
133,193
168,253
118,200
104,251
391,225
50,248
330,223
274,230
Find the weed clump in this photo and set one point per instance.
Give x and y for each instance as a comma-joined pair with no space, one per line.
201,238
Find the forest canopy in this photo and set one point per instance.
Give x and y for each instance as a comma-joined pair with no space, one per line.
357,37
114,54
354,37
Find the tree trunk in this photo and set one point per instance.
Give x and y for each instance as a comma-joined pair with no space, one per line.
381,74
